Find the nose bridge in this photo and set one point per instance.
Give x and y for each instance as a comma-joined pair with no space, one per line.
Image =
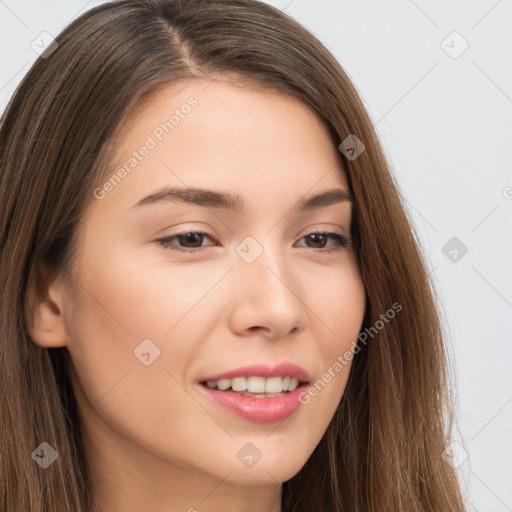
268,293
263,264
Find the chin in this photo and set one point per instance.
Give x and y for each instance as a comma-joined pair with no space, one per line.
266,474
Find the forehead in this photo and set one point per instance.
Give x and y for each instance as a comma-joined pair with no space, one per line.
221,135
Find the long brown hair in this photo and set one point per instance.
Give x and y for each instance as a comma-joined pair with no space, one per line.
383,449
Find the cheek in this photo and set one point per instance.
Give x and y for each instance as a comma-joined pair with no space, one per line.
135,327
118,326
339,304
340,308
127,317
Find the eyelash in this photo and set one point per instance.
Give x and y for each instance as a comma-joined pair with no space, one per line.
341,239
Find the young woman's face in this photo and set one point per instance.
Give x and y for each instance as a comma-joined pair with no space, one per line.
148,321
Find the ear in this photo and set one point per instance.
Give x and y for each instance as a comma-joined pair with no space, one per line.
44,309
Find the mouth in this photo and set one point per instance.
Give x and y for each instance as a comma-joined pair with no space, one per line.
256,386
260,406
260,392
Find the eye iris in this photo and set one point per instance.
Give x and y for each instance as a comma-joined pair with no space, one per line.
314,235
189,237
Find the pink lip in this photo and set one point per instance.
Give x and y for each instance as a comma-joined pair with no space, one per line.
260,410
263,370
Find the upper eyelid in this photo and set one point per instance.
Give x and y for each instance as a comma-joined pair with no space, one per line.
315,226
304,232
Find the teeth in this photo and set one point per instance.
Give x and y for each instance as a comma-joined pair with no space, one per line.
223,384
239,384
293,384
274,385
255,384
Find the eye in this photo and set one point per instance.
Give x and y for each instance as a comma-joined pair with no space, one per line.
322,236
195,238
184,237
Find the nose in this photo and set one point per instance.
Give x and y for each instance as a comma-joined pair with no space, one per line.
267,298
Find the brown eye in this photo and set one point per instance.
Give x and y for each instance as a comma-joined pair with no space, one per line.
191,241
188,237
319,237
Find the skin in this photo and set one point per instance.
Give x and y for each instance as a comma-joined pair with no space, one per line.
153,441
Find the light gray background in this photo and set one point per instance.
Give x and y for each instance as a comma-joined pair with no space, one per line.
446,126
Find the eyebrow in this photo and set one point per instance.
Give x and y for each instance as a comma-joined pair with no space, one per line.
233,202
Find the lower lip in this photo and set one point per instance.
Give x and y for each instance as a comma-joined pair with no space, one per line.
259,410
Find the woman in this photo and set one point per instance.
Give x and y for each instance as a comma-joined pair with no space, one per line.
294,362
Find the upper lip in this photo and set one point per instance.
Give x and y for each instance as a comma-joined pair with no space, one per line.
283,369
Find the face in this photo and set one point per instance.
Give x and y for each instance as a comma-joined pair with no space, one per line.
167,294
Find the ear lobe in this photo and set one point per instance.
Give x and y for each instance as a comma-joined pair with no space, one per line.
44,311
